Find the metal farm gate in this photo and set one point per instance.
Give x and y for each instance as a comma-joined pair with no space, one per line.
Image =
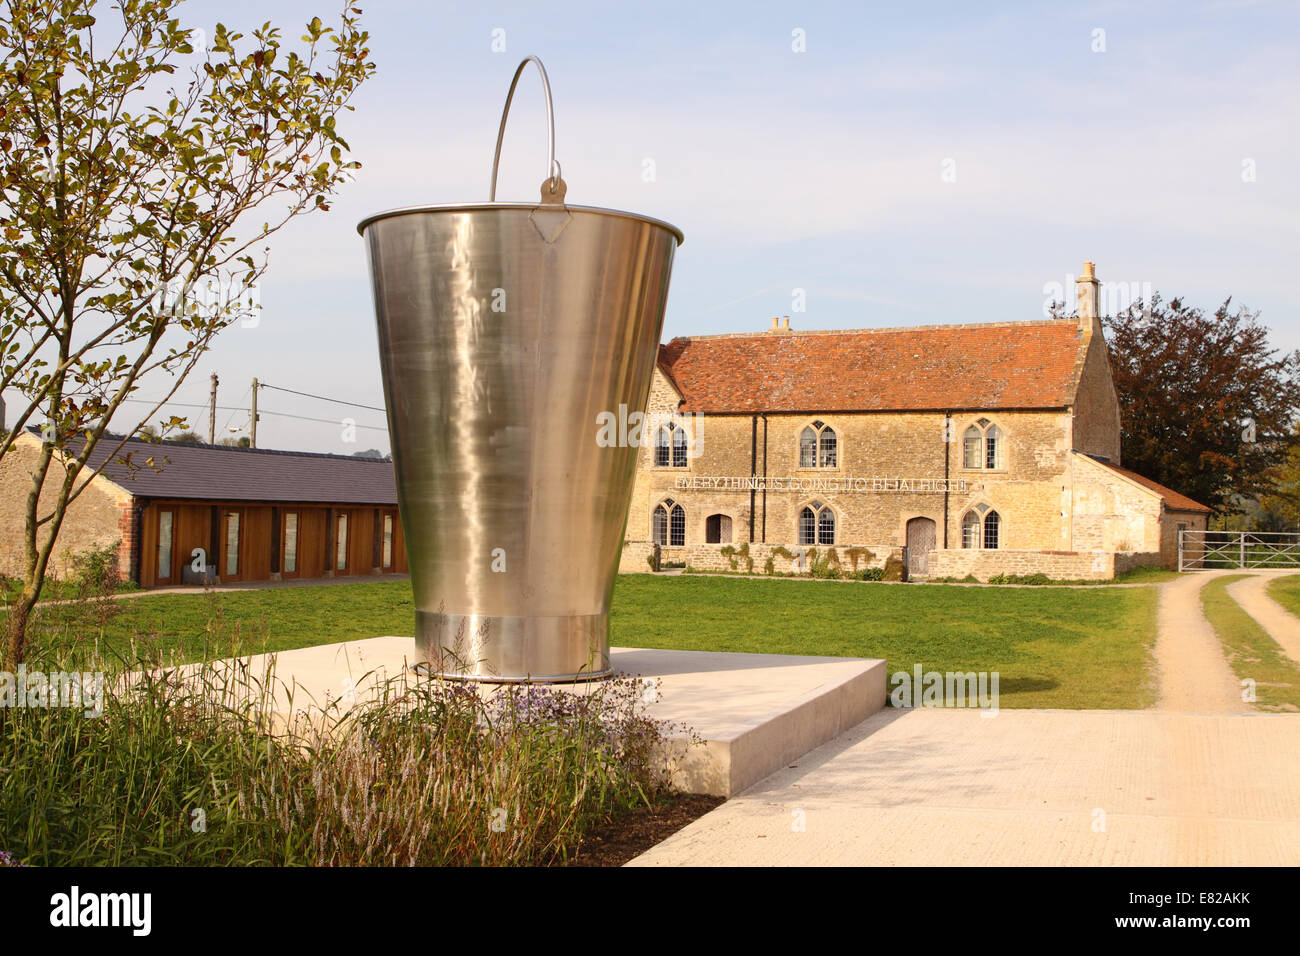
1206,550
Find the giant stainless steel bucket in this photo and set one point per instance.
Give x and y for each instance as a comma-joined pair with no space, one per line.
506,332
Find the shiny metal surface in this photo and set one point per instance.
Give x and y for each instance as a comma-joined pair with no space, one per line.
505,330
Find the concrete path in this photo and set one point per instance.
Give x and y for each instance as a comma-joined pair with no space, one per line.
1046,787
1200,780
1191,668
1281,625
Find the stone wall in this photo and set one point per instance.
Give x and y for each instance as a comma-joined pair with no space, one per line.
1058,565
635,557
1112,513
1128,560
710,557
1096,426
95,519
1193,521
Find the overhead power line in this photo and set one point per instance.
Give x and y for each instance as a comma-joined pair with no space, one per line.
322,398
260,411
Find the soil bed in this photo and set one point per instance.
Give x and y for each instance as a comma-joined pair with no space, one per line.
629,835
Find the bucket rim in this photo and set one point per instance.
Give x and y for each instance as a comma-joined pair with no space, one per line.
482,206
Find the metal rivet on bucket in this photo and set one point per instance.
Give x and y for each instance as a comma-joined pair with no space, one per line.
505,331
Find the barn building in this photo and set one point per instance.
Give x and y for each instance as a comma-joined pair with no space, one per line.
941,451
188,514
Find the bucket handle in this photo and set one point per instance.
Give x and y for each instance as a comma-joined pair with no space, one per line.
553,188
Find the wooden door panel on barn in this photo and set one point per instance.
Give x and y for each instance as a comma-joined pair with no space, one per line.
400,565
158,545
361,541
313,551
193,530
920,542
255,555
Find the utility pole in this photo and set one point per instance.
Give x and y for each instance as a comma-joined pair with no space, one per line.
253,418
212,413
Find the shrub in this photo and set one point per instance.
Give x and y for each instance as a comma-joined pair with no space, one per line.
193,767
734,555
95,571
893,570
1037,578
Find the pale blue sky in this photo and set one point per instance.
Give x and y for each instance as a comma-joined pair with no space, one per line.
817,170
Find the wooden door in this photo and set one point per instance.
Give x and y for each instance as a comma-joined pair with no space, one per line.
920,542
361,540
313,543
255,552
159,557
400,565
193,532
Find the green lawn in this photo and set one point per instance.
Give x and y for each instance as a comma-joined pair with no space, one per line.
188,627
1250,651
1286,592
1053,647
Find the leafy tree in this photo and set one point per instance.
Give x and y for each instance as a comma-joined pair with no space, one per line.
1281,506
1207,407
125,240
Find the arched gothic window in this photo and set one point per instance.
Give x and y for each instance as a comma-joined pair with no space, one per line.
981,527
816,524
668,524
818,446
670,446
982,446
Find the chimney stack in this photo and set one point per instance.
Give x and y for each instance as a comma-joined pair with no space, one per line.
1088,294
785,323
775,323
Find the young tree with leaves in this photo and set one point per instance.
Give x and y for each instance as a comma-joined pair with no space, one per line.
125,195
1207,406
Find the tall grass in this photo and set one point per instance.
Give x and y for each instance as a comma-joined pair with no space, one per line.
201,765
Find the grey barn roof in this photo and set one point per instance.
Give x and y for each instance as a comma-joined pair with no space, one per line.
223,473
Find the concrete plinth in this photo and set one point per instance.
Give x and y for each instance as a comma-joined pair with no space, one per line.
755,713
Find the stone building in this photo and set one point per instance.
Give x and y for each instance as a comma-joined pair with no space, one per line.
954,450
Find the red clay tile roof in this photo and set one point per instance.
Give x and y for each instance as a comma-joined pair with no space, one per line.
1173,500
1005,365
